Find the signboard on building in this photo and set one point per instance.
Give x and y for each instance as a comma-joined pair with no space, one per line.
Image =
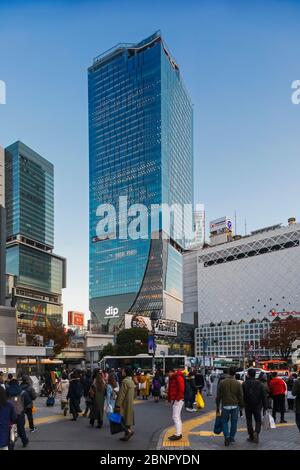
165,327
162,327
219,225
75,319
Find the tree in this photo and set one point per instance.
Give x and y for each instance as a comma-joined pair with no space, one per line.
53,332
108,350
132,342
281,336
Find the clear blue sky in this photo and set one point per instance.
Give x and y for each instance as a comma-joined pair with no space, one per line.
238,60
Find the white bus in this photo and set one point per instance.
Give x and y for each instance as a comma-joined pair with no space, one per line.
144,362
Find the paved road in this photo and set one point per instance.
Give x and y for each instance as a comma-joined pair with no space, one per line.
57,433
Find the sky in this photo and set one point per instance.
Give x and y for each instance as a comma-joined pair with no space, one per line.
238,59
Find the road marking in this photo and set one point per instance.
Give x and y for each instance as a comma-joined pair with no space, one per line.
187,427
59,417
211,433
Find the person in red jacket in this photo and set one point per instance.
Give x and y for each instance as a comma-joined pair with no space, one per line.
278,389
176,396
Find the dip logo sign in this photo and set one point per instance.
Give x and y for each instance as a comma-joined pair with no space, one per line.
2,92
112,312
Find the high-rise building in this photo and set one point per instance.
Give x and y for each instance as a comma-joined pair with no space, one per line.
141,147
2,228
39,274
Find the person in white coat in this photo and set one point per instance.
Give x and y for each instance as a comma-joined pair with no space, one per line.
62,389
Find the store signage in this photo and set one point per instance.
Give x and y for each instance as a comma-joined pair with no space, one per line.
274,313
112,312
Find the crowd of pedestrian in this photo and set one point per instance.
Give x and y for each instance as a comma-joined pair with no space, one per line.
16,402
256,396
109,392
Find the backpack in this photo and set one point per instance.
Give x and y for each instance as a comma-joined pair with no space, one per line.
18,403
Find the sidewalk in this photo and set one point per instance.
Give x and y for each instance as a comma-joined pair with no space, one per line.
198,435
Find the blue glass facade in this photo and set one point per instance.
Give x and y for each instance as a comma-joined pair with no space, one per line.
39,274
140,139
29,184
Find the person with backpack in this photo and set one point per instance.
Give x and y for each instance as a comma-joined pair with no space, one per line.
176,397
26,385
156,386
255,399
20,400
8,417
74,395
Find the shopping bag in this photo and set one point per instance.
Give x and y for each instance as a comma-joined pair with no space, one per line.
115,418
50,401
34,409
199,401
218,427
268,422
116,423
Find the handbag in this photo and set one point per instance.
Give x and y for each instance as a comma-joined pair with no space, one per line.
34,409
218,427
199,401
142,386
50,400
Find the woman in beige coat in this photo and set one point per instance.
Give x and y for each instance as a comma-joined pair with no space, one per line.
124,402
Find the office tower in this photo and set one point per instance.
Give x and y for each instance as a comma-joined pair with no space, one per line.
2,229
39,274
141,147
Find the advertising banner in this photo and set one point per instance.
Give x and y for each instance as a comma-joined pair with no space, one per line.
75,319
162,327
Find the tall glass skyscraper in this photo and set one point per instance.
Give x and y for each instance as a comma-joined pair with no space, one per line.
141,147
39,273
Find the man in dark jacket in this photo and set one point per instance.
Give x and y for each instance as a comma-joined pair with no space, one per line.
74,395
20,399
255,399
230,394
296,393
26,385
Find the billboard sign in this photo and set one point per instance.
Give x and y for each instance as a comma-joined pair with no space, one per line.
75,318
220,224
162,327
165,327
